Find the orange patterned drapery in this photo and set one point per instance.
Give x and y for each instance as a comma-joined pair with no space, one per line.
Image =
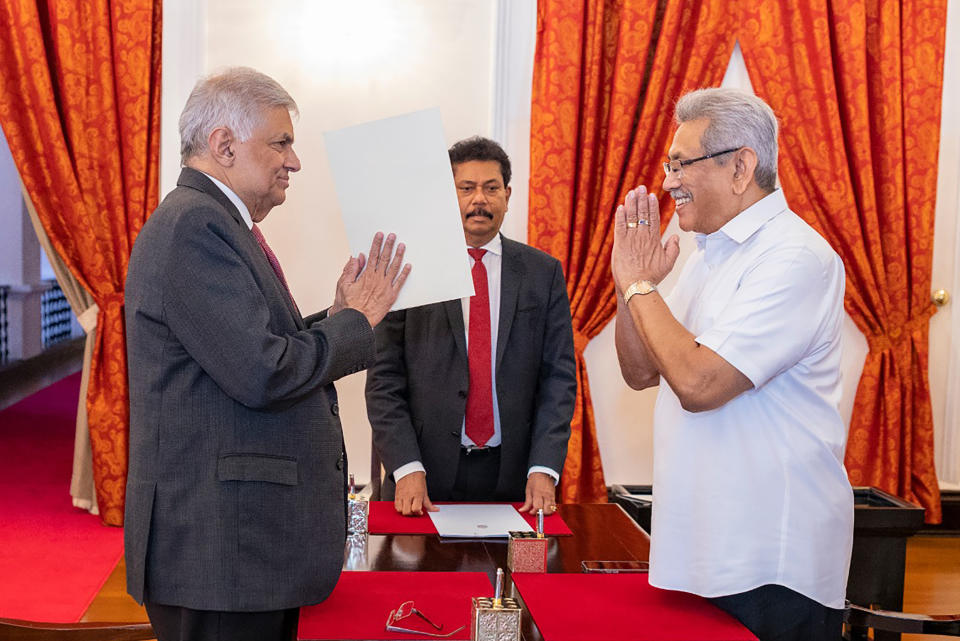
857,86
606,75
80,107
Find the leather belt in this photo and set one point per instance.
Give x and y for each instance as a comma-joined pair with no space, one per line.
470,449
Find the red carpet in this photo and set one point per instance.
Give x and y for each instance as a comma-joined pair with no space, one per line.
54,558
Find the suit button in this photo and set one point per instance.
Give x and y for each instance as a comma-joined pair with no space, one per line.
340,462
335,409
462,393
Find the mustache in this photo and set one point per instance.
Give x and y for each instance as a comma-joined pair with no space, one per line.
679,193
480,211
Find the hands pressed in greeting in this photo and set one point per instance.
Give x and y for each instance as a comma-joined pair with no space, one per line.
638,253
372,291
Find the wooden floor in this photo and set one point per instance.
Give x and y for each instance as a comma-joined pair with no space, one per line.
932,581
932,585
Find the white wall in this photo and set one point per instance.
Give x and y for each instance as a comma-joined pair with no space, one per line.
344,63
944,350
348,62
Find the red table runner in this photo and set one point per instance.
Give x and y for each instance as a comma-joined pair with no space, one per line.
359,606
384,519
621,607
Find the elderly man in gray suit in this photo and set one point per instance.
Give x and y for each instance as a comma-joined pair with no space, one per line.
471,400
235,505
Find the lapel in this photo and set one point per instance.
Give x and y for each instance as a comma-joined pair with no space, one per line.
455,316
511,274
198,180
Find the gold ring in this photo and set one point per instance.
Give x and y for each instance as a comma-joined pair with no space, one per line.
631,225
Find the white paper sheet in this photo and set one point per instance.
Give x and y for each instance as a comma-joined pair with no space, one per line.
393,175
478,520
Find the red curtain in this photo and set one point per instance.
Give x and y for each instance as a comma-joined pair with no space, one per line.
606,76
80,107
857,86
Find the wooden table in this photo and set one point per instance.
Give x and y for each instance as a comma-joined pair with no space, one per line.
601,532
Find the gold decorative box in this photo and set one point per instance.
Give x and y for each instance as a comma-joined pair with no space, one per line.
490,621
527,552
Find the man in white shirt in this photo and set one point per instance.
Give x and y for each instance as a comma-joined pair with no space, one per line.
752,507
471,399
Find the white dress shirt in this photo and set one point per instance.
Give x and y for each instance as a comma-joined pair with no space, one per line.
235,199
492,260
755,492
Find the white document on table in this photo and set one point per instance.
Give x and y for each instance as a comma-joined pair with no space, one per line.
394,175
478,520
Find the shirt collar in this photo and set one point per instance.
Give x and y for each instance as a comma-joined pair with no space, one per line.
494,246
747,222
235,199
741,227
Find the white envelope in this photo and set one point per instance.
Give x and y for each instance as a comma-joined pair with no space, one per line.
478,520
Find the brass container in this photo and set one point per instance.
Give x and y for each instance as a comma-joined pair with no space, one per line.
490,622
526,552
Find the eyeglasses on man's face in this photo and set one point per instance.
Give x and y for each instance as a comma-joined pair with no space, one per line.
675,167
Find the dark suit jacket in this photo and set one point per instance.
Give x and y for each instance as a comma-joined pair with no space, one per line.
235,491
417,389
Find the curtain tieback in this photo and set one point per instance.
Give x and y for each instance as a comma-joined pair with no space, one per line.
884,341
88,318
109,303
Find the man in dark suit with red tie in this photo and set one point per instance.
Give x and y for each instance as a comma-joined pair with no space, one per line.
471,399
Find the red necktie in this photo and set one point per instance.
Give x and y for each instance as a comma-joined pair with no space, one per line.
272,259
479,418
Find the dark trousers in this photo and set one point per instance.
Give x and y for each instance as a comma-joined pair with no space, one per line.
174,623
777,613
477,472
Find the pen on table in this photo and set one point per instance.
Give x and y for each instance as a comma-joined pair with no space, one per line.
540,523
498,590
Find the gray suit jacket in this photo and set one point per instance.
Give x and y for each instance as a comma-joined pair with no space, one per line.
235,490
417,389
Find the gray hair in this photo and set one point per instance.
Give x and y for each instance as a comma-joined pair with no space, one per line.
235,98
737,119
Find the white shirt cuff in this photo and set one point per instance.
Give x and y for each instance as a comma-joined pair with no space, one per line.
545,470
409,468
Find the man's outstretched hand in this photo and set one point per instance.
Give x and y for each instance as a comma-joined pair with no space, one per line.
372,291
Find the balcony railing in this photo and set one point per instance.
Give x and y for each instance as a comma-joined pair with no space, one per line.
4,335
55,315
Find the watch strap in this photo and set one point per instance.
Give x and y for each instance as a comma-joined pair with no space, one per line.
642,287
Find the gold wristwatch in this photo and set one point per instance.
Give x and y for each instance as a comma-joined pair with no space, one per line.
641,287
